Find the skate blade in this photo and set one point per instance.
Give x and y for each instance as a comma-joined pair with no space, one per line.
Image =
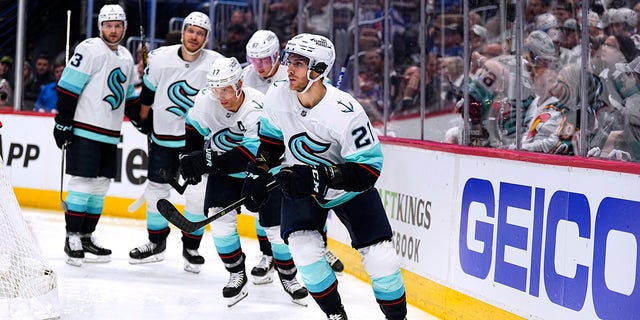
263,280
92,258
76,262
193,268
300,302
233,300
154,258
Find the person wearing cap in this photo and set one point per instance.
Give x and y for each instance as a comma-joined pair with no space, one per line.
172,79
94,91
5,73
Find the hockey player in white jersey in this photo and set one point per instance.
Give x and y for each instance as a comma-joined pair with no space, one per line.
332,158
229,113
263,55
172,79
93,92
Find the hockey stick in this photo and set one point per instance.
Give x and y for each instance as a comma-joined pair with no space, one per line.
169,212
173,182
62,203
343,71
143,40
64,145
134,206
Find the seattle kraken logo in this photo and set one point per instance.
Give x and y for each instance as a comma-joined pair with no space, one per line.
306,150
179,93
114,82
226,139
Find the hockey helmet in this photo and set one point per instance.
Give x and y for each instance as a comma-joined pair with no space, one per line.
197,19
225,72
111,12
318,49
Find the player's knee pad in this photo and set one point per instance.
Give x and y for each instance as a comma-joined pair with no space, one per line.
80,184
194,197
273,234
224,225
100,185
380,259
154,192
306,247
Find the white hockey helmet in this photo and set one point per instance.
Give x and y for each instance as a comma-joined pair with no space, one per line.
111,12
546,21
263,43
540,44
318,49
225,72
197,19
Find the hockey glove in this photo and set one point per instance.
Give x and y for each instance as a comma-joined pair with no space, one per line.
62,134
254,189
299,181
197,163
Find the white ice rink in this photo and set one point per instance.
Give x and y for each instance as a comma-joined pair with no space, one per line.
120,291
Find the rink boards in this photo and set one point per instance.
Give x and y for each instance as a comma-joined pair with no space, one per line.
482,234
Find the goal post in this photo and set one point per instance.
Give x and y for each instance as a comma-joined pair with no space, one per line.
28,285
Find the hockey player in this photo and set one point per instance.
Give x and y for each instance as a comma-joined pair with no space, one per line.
229,113
332,159
173,77
263,55
93,91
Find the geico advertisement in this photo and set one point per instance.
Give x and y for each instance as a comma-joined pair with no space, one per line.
556,243
541,241
34,161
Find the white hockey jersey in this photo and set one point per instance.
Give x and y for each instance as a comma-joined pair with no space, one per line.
335,131
228,129
101,79
175,83
251,78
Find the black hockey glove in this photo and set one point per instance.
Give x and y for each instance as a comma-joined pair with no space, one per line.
254,189
299,181
196,163
62,133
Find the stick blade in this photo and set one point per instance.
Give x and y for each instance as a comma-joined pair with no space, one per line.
169,212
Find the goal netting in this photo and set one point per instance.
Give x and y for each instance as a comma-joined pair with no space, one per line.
28,287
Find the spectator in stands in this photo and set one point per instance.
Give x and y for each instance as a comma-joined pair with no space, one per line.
245,19
28,79
316,15
370,82
235,44
42,75
172,37
408,100
5,69
280,18
47,99
533,9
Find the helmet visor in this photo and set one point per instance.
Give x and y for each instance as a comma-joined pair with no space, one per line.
223,93
260,63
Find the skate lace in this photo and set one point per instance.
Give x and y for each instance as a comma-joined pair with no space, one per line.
335,317
95,243
192,252
236,279
75,243
265,262
331,258
147,247
291,285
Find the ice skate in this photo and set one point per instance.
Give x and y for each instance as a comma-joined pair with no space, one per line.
192,260
262,273
93,252
236,288
295,290
73,249
340,315
148,252
334,262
